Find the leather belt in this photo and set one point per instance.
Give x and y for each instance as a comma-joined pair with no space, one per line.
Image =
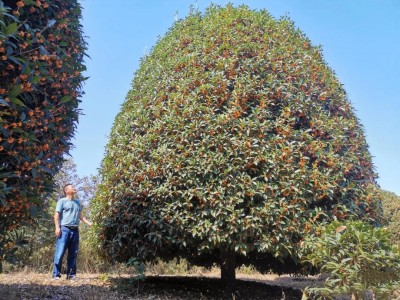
71,227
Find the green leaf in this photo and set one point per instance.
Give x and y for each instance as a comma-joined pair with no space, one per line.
35,79
16,60
47,170
30,2
17,102
11,28
26,69
15,91
65,99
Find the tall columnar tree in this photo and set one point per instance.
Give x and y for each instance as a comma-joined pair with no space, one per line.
41,64
234,139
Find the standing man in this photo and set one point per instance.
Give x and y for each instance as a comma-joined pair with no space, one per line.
66,220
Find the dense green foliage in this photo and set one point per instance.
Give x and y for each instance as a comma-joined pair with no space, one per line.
31,244
357,257
41,65
391,209
235,137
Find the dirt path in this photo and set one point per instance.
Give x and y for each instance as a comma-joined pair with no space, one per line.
42,286
26,285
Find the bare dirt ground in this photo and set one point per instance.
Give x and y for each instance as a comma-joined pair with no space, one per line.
26,285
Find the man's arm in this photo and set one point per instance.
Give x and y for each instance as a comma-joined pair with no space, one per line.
57,223
84,220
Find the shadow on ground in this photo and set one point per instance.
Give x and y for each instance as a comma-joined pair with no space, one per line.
39,286
174,287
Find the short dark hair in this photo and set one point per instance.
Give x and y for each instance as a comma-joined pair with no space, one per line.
65,187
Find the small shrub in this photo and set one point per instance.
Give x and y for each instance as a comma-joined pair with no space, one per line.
391,210
139,268
357,258
247,270
175,267
104,277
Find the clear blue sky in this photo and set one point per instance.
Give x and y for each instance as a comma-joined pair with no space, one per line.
360,40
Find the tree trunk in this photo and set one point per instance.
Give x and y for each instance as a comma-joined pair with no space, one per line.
228,266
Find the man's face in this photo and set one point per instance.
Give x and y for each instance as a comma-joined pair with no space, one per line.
70,190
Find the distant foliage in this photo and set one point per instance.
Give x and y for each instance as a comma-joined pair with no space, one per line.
86,186
235,137
31,245
391,209
357,258
41,64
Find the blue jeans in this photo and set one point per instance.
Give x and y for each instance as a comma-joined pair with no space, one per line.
68,240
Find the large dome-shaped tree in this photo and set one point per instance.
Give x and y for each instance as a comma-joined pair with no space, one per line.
235,137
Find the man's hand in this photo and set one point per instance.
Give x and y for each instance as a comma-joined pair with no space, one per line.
57,224
58,232
84,220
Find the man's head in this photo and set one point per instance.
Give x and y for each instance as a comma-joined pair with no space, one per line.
69,190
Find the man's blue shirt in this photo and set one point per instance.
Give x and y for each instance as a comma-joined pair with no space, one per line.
69,211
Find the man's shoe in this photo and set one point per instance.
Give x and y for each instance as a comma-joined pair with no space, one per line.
56,277
72,277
